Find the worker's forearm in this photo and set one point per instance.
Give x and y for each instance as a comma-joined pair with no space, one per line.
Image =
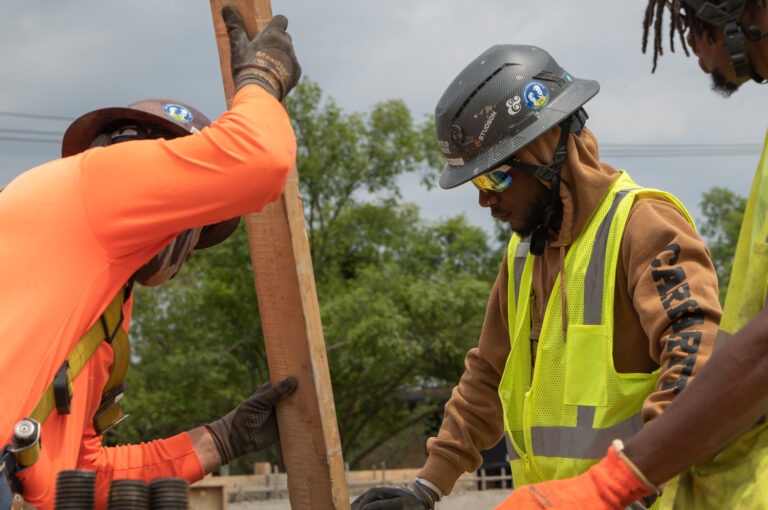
205,449
728,396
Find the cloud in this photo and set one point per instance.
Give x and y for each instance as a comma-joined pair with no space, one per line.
65,58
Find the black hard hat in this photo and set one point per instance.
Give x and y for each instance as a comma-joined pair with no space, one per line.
175,117
502,101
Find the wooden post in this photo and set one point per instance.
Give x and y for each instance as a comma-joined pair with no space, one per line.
290,317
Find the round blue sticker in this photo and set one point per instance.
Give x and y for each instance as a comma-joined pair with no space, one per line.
535,95
178,113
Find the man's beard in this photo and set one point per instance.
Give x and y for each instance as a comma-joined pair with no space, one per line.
721,85
534,216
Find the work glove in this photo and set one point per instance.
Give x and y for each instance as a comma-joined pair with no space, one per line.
417,497
267,60
608,485
252,425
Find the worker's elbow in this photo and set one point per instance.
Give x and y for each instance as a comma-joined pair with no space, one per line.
280,165
285,160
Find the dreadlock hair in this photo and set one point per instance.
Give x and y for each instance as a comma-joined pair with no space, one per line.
682,19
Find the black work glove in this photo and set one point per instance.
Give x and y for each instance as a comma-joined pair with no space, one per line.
268,60
252,425
417,497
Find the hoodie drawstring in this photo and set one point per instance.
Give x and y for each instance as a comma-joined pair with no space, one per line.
564,307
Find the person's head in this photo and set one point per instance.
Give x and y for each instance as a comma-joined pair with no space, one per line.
729,37
143,120
504,100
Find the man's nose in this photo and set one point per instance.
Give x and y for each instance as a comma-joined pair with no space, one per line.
487,198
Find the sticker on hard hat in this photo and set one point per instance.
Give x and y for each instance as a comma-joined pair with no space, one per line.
178,113
535,95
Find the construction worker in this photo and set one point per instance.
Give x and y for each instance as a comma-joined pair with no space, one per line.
583,339
137,191
715,435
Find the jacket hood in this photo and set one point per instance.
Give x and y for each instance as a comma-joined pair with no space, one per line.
584,178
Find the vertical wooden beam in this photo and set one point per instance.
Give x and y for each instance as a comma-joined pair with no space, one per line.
290,317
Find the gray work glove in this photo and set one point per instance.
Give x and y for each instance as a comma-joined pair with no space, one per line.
267,60
417,497
252,425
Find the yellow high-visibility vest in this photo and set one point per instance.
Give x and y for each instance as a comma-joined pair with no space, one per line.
562,420
737,475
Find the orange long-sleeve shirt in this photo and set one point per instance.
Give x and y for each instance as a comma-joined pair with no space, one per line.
72,231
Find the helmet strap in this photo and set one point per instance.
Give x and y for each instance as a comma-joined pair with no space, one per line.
735,44
551,173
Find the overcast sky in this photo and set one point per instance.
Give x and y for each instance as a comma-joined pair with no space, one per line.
64,58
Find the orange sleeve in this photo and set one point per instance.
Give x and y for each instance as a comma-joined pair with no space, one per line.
172,457
140,194
473,418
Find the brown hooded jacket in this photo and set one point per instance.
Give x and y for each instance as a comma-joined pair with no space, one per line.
644,308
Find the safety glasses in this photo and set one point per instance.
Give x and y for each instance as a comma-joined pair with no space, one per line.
497,180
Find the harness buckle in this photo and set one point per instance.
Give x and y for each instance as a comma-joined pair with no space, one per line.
109,414
25,446
62,389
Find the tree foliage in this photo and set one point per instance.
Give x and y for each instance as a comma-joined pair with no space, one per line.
723,213
402,299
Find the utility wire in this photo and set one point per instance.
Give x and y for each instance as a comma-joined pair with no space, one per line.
35,116
608,150
17,139
678,150
31,132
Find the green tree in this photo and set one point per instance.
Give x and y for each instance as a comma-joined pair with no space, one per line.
723,212
402,299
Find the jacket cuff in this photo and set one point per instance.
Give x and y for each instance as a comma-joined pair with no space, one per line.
441,472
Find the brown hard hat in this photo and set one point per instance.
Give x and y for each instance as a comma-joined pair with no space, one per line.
174,116
177,117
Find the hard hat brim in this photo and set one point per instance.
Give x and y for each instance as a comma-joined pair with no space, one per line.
212,235
579,92
85,128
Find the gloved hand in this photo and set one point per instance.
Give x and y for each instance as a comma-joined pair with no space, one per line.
252,425
608,485
268,60
417,497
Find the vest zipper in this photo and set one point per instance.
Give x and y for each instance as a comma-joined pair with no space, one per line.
528,462
526,436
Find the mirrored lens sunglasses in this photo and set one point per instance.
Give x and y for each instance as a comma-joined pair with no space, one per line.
497,180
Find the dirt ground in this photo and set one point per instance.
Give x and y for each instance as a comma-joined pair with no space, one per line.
480,500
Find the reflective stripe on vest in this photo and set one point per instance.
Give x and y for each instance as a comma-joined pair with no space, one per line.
579,442
561,419
593,281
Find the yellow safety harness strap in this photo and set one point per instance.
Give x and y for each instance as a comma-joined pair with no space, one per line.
110,414
107,328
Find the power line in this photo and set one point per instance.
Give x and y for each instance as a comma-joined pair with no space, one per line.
608,150
31,132
678,150
35,116
17,139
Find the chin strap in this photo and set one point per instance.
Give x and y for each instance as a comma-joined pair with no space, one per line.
551,173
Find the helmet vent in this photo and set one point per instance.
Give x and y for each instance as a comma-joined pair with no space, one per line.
480,87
